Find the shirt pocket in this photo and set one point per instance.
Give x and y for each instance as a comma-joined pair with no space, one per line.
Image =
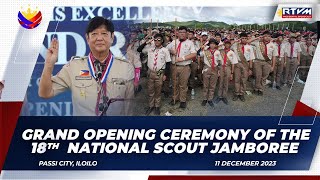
162,58
83,89
116,88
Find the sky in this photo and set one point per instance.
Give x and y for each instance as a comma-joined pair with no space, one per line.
229,15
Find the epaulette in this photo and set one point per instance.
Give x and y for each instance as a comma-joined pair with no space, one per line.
78,58
121,59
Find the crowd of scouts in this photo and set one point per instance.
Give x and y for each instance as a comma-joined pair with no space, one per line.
175,60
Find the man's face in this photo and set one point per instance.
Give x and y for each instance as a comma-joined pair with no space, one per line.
133,35
158,41
309,41
244,40
292,40
299,39
267,37
218,38
204,37
212,45
100,39
227,45
280,38
182,34
190,35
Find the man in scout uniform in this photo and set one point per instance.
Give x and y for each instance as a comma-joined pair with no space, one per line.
218,38
245,56
212,64
226,71
183,51
194,64
159,68
95,81
280,59
264,63
293,51
306,56
134,56
301,42
203,46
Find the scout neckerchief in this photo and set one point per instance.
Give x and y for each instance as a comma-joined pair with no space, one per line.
212,58
241,54
291,52
279,46
155,60
264,50
225,57
102,81
179,47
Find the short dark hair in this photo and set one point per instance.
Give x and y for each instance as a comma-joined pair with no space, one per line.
243,34
213,41
276,35
191,32
183,28
98,21
218,34
266,33
158,35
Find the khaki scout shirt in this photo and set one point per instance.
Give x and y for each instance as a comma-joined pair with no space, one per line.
307,52
283,46
296,50
187,47
248,51
271,51
163,56
84,88
231,58
133,55
217,57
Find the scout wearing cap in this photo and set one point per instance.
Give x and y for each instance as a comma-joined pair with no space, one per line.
92,79
203,45
212,64
293,50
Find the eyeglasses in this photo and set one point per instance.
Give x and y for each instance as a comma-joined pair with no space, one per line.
173,36
158,39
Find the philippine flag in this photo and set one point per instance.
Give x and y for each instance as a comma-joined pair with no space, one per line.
84,73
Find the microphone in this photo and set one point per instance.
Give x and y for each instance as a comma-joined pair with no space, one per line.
98,72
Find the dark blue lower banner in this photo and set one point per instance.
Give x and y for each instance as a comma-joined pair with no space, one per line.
163,143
